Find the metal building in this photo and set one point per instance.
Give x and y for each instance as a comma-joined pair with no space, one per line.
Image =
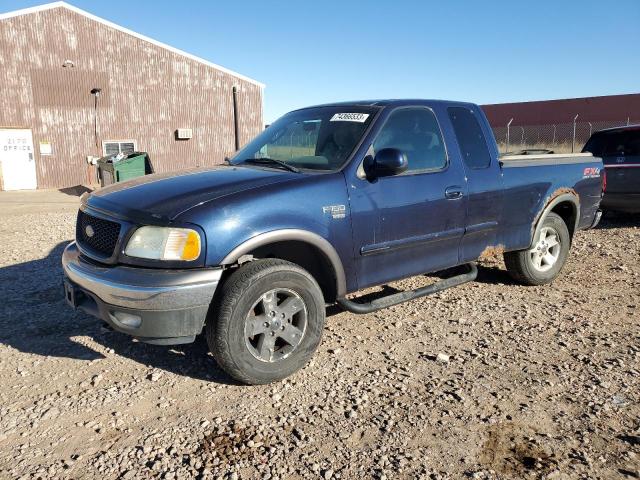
75,86
544,112
559,125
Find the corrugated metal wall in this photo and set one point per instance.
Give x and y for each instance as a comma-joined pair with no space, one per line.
594,109
147,93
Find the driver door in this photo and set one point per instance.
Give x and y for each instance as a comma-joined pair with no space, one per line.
411,223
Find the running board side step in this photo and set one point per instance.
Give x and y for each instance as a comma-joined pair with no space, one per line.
401,297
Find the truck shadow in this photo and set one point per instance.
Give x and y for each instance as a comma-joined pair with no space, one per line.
619,220
35,319
494,275
190,360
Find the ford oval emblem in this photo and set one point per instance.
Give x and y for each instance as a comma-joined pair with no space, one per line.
89,231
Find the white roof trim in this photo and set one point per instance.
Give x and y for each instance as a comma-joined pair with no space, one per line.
49,6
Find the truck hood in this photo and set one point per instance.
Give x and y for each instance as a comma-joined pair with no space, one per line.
165,196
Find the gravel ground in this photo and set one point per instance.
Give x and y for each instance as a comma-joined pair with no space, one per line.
488,380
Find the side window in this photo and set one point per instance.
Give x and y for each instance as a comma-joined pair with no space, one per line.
414,131
473,145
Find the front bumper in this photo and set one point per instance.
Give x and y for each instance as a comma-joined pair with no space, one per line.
156,306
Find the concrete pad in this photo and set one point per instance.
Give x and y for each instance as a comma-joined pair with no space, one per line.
36,201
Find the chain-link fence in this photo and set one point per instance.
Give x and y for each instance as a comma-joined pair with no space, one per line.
561,137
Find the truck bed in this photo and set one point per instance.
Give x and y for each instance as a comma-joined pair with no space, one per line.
528,189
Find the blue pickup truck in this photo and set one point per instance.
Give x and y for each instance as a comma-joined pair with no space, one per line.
327,201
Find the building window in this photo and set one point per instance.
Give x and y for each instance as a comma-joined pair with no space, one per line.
114,147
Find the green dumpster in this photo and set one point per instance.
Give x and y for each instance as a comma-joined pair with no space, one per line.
118,168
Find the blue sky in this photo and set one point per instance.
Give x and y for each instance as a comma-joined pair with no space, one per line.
322,51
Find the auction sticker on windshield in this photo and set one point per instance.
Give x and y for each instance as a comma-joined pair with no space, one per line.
350,117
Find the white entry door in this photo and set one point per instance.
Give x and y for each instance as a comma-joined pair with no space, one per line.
17,159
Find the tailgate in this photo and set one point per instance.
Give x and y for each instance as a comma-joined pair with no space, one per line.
623,173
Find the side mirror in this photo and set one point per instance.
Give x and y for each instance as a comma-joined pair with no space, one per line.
388,162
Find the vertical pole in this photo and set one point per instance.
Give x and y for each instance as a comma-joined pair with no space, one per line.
573,141
590,129
95,117
96,93
553,142
628,121
235,118
291,144
508,126
522,138
95,134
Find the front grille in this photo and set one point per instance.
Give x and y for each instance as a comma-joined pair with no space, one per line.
105,233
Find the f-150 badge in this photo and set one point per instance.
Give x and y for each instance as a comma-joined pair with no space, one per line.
336,211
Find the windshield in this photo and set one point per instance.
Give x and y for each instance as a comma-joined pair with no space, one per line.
320,138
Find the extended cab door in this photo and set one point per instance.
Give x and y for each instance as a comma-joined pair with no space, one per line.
483,178
411,223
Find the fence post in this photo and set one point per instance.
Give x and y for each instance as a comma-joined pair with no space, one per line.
628,118
508,126
522,139
553,142
573,141
590,129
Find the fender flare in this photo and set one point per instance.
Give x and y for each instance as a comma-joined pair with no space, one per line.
572,198
298,235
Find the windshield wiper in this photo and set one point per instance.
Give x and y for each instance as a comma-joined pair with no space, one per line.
272,161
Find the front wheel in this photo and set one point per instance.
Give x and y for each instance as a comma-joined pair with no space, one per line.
267,321
542,262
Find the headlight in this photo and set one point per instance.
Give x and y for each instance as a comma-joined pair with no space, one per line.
164,243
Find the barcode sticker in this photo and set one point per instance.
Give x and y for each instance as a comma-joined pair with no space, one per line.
350,117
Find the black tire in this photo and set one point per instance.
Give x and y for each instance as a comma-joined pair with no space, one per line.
245,291
521,264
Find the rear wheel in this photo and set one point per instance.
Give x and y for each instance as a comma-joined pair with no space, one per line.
542,262
267,322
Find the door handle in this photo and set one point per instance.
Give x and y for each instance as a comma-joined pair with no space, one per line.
453,193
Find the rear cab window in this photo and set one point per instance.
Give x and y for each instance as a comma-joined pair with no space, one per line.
471,139
618,144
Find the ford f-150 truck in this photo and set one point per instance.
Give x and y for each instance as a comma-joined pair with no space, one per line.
327,201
